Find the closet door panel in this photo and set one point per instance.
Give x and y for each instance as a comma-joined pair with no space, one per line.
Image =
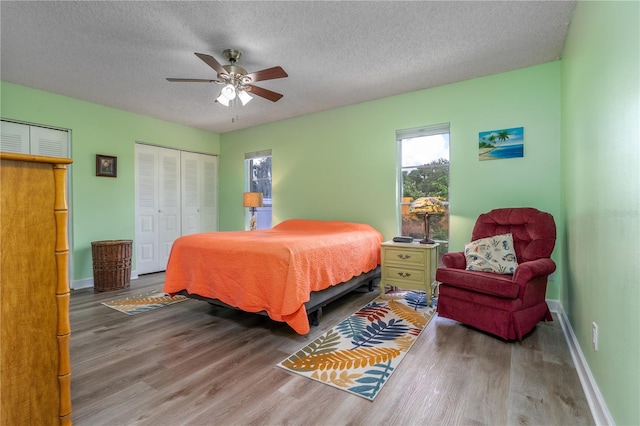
146,165
14,137
209,194
49,142
191,184
168,202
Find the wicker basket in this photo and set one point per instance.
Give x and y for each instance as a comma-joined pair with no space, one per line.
111,264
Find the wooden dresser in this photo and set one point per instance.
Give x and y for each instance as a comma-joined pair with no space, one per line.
35,371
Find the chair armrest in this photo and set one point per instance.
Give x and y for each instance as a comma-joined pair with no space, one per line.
454,260
526,271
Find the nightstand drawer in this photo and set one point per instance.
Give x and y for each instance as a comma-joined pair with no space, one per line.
405,256
399,274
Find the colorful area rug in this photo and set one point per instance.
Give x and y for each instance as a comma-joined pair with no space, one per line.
360,353
144,302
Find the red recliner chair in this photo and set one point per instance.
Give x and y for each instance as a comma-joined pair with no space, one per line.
508,305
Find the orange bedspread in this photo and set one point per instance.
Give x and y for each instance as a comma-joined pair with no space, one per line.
273,270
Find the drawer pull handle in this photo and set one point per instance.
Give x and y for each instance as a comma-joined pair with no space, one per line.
404,256
404,274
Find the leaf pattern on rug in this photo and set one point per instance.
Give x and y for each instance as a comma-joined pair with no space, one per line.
416,299
352,326
342,359
373,381
322,344
417,319
374,311
342,379
144,302
379,331
404,343
147,300
360,353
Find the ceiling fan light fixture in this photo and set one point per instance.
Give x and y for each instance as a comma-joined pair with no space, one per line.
229,92
236,81
221,99
244,97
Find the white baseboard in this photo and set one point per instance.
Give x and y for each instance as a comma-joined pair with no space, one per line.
599,410
80,284
88,282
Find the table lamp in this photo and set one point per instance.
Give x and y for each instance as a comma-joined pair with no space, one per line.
253,200
425,207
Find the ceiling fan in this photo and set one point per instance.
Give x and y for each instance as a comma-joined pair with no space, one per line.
237,82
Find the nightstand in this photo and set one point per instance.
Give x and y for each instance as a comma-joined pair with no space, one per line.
408,266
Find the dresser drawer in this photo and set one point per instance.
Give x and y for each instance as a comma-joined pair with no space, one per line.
398,274
405,256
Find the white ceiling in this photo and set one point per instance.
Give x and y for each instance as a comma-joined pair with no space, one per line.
336,53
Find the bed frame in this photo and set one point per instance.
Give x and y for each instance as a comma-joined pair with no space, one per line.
318,299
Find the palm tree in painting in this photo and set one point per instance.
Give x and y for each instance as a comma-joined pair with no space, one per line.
503,135
494,140
488,141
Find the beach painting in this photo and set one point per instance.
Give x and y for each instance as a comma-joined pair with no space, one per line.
499,144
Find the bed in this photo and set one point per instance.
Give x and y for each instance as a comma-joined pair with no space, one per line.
287,272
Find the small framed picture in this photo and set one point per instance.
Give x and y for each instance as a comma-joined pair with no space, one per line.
106,165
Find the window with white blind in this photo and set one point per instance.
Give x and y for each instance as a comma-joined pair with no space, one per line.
423,171
258,179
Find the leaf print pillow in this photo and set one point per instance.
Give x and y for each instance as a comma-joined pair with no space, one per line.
493,254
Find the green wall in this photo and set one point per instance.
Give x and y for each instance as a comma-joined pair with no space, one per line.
601,162
341,164
102,208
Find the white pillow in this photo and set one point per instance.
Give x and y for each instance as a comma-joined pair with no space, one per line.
493,254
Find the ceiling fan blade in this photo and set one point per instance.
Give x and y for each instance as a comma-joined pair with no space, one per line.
267,94
268,74
210,60
190,80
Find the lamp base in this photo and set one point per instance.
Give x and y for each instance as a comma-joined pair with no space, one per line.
253,222
426,239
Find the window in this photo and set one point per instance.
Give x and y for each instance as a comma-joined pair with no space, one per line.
258,168
423,171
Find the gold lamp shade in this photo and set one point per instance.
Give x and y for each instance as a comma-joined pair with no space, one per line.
253,199
425,207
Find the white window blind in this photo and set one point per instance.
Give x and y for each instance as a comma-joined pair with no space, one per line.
435,129
257,154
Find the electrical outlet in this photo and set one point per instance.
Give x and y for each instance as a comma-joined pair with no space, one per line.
594,336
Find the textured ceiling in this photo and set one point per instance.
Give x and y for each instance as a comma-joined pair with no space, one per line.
336,53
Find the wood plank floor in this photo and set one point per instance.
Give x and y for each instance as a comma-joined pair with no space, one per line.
195,364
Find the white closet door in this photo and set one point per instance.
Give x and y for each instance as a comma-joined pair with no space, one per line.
176,194
169,202
49,142
209,194
190,193
199,193
147,199
14,137
36,140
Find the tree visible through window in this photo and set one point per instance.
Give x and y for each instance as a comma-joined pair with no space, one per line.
424,172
